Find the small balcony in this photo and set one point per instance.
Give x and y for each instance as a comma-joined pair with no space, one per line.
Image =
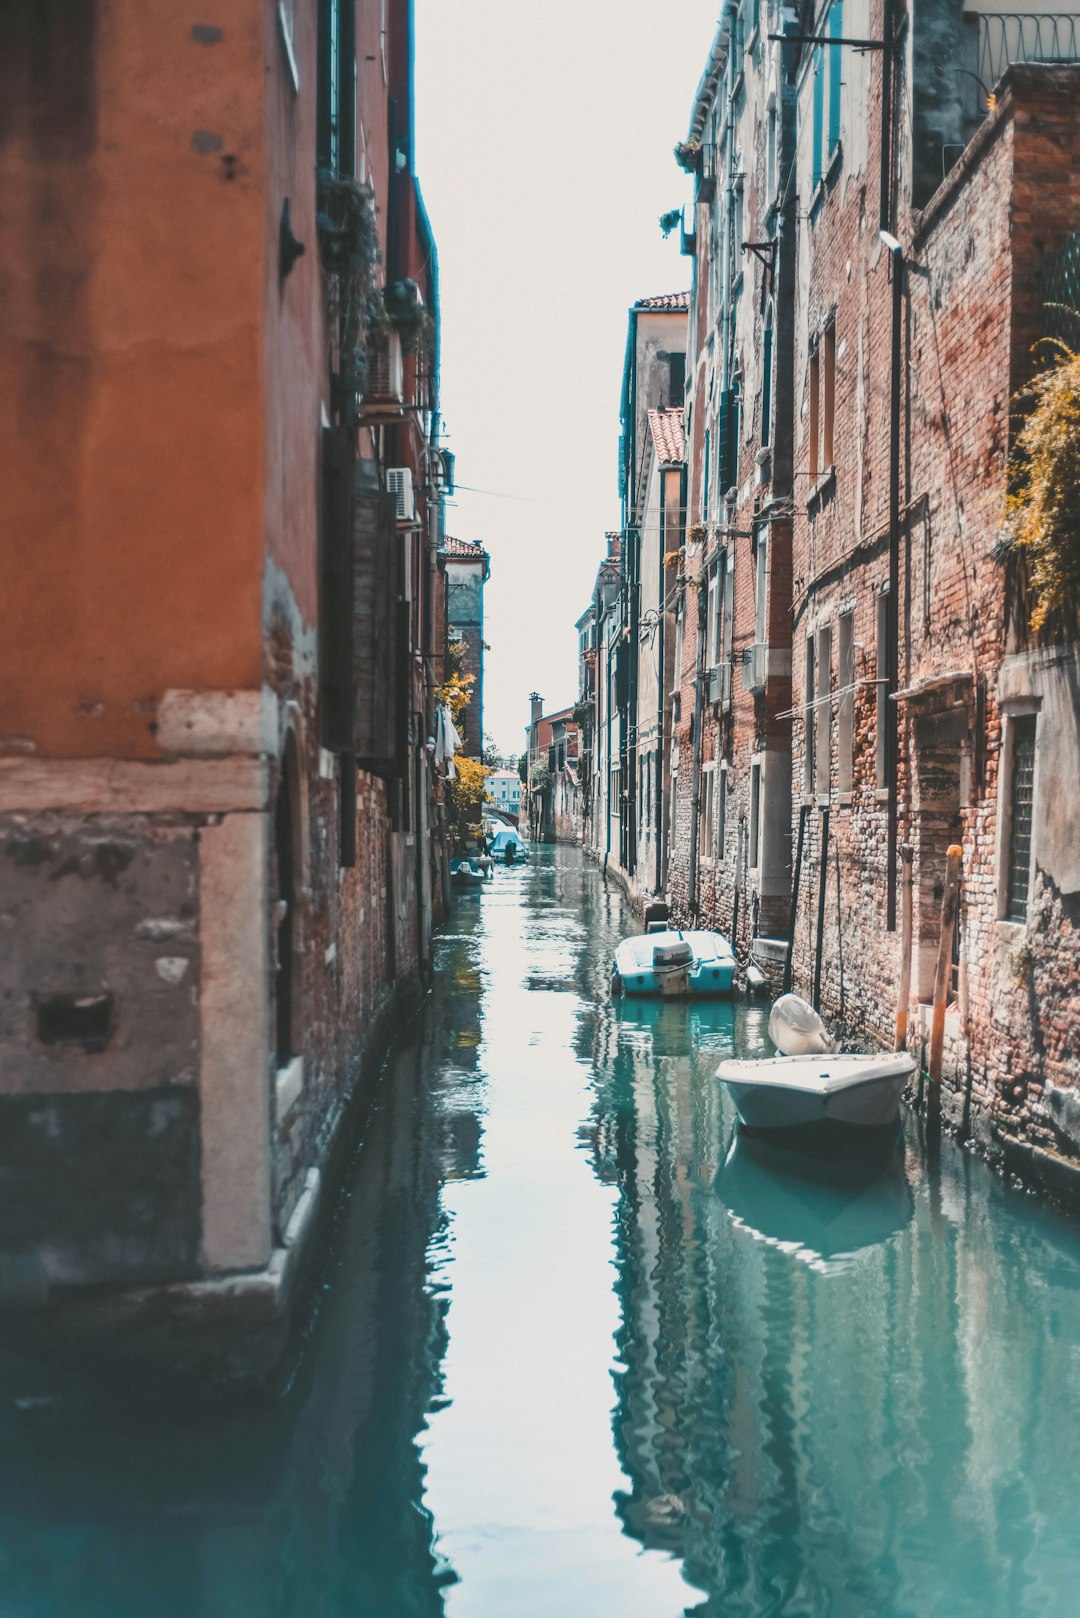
992,42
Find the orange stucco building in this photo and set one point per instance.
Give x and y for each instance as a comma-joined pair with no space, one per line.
220,511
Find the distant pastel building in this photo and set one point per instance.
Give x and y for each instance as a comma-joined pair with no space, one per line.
504,789
466,566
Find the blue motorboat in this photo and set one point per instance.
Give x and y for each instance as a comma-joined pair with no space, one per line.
673,964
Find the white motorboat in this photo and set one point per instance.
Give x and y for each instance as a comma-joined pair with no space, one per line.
783,1092
468,872
672,964
809,1082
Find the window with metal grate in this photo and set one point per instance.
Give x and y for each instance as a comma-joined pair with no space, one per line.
1021,805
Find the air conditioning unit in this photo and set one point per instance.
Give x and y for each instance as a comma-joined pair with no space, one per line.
755,665
399,485
384,394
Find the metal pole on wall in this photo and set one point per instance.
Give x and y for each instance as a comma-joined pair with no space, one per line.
950,901
903,993
695,783
822,879
804,810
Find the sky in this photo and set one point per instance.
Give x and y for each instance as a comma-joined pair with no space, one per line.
544,137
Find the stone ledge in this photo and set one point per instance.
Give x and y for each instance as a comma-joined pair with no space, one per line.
1037,1165
97,786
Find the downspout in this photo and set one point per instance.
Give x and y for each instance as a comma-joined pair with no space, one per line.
892,613
695,795
885,185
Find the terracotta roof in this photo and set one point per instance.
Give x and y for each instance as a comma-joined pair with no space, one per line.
470,548
667,431
665,300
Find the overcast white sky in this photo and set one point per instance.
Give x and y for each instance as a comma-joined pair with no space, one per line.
543,146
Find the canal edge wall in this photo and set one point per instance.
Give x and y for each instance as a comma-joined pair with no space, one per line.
216,1337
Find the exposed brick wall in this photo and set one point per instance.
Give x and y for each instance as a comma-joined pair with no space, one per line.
970,317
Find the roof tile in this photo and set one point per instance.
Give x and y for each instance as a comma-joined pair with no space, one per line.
667,431
665,300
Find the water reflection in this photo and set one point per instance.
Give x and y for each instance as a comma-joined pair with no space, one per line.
817,1208
583,1350
841,1390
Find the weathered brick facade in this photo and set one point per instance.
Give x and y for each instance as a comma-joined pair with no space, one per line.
853,658
969,315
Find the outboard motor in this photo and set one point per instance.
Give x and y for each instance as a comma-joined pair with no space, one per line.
796,1029
671,965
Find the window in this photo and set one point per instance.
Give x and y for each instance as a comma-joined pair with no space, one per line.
827,65
881,708
823,713
761,587
705,478
828,394
705,836
822,401
728,626
845,703
755,814
1021,816
816,166
836,30
713,620
721,813
679,624
815,384
766,377
809,718
677,378
336,94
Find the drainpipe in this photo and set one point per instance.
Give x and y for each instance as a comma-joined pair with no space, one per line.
662,772
888,29
892,616
695,795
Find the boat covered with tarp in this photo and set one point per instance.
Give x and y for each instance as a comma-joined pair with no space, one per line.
673,964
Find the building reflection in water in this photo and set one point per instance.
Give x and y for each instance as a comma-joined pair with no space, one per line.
839,1392
316,1507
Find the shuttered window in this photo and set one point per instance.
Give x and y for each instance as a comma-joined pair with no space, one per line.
1021,814
335,607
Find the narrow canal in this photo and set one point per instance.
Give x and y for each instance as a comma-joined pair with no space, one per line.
579,1352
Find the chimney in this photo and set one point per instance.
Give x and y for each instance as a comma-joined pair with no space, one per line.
536,707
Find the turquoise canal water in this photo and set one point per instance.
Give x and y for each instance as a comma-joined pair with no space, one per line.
580,1352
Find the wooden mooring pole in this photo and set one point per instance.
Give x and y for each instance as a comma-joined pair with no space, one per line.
903,992
950,901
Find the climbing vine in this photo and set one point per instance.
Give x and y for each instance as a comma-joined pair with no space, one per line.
456,690
1043,504
466,790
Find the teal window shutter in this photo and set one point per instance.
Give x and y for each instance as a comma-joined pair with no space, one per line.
819,109
836,52
723,436
766,386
